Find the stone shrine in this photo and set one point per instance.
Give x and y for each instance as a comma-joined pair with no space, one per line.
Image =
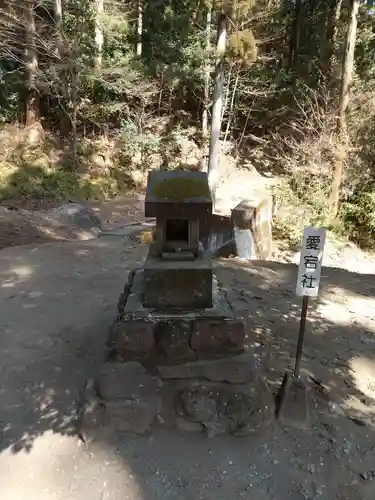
177,274
173,309
176,348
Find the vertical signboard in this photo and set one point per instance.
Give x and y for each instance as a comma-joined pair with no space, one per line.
310,265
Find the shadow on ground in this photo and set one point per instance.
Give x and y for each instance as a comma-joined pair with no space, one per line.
57,303
340,331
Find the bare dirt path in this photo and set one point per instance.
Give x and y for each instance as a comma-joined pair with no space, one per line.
57,301
24,224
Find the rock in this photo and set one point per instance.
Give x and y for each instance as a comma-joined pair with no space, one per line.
132,339
239,409
217,336
74,214
126,381
98,161
249,410
130,396
173,341
198,404
239,369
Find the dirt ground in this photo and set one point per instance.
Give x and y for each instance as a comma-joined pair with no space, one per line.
57,300
24,224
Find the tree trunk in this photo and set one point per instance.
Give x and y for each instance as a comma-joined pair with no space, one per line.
31,64
207,70
295,35
73,115
231,109
346,82
57,12
217,105
333,16
139,27
99,38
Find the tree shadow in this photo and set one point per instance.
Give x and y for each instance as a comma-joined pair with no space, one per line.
340,332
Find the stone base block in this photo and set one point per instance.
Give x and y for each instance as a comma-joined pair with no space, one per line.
126,399
141,333
177,285
222,396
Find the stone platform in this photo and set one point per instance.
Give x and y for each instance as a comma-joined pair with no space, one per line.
173,337
215,397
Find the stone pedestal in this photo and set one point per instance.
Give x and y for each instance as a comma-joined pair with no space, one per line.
173,336
177,284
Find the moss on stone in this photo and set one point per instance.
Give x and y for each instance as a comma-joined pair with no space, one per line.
181,189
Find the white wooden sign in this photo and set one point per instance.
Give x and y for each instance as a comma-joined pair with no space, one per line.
310,262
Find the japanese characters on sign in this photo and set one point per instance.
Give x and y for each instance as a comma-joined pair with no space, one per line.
311,262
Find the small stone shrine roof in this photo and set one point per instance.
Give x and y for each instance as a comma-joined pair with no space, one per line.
178,195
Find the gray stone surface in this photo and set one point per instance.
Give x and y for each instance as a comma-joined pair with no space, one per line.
243,215
190,207
173,341
167,336
225,408
132,338
177,285
126,381
129,401
133,307
216,337
239,369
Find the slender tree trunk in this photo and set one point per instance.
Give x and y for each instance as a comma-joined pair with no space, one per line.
73,115
333,16
230,116
57,12
139,27
214,152
99,38
295,35
227,92
60,52
31,64
346,83
207,71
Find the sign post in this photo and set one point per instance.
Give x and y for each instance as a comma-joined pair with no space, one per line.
308,279
293,401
